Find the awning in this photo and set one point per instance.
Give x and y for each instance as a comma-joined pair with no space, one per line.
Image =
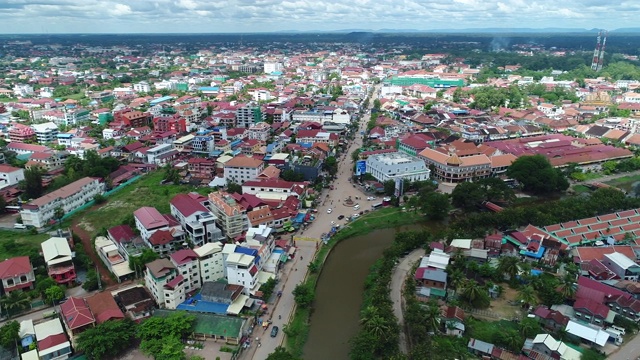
121,269
236,307
292,250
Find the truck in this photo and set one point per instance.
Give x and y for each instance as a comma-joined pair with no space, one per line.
615,335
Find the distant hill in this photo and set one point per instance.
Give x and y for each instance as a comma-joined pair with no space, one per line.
467,31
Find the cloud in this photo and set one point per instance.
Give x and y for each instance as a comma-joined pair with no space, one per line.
86,16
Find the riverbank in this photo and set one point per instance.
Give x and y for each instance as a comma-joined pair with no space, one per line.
298,328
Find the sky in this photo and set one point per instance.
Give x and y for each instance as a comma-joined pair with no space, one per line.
244,16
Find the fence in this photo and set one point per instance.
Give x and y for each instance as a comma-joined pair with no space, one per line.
482,312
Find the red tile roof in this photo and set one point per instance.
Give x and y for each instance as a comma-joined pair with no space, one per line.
173,283
183,256
187,205
76,313
121,233
595,308
104,307
161,237
51,341
150,218
15,266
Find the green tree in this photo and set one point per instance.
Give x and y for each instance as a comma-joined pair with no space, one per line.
14,302
160,335
137,263
58,213
3,205
591,354
435,205
281,353
432,316
527,295
303,295
267,289
537,175
467,196
291,175
108,339
33,183
10,335
42,284
389,187
54,294
508,265
330,165
91,283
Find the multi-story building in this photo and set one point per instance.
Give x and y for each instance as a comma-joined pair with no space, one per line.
73,117
271,67
40,211
57,255
134,119
622,266
449,167
391,166
21,133
164,283
259,131
164,123
202,168
211,261
242,168
10,176
142,86
161,154
46,132
316,136
203,143
16,273
274,189
231,216
187,264
240,268
248,115
196,220
110,255
149,220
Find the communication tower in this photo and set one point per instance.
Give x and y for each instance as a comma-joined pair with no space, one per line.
598,53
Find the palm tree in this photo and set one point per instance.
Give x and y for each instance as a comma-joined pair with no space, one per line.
15,301
527,295
512,340
471,291
508,265
432,316
377,326
456,278
567,287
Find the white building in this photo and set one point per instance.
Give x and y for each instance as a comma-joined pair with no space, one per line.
39,211
271,67
142,86
158,154
187,264
259,131
248,115
116,263
52,343
149,220
274,189
211,261
391,166
10,175
165,284
242,168
631,97
46,132
197,221
240,268
622,266
231,216
112,134
20,90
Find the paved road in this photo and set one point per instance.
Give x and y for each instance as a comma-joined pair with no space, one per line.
295,272
397,285
628,351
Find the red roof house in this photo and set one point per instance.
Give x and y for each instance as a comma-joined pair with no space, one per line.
76,315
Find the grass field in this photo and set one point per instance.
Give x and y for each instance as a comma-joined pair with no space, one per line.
625,182
19,243
147,191
298,329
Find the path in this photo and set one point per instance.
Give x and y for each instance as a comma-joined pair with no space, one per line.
91,251
397,285
283,309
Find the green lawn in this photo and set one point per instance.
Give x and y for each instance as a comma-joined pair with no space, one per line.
488,331
624,181
579,189
19,243
146,191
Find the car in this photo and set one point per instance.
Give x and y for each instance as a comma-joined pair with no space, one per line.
371,198
329,211
274,331
19,226
356,207
355,216
340,217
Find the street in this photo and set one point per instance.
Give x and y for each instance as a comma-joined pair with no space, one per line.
628,351
295,272
397,284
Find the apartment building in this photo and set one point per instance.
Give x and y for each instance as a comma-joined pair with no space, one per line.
240,268
211,261
187,263
242,168
248,115
46,132
40,211
10,176
391,166
21,133
452,168
274,189
196,220
165,284
149,220
161,154
231,216
259,131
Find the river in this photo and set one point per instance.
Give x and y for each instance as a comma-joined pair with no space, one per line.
336,315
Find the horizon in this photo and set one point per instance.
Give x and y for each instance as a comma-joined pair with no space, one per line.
22,17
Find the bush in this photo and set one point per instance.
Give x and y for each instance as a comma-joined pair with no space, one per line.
99,199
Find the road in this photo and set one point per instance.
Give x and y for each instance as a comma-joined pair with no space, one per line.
397,285
629,351
295,273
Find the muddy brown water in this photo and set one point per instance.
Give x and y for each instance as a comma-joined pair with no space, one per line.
336,316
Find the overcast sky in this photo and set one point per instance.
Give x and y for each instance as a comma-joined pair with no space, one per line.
213,16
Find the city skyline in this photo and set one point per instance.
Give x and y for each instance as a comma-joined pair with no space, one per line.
234,16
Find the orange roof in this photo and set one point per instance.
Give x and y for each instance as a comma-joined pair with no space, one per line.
243,161
502,160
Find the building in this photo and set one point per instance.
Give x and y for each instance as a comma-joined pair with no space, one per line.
241,270
248,115
40,211
196,220
149,220
622,266
116,263
392,166
161,154
57,256
10,176
46,132
76,315
187,264
259,131
231,216
431,282
21,133
165,284
272,67
16,273
274,189
547,345
449,167
242,168
104,307
166,123
136,301
211,261
53,343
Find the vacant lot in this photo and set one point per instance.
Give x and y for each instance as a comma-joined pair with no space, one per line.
19,243
145,192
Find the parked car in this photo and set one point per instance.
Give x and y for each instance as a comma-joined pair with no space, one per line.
355,216
340,217
329,211
356,207
274,331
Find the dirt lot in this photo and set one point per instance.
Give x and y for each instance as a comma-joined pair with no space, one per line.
210,352
501,308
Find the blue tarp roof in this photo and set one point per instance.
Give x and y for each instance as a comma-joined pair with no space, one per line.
159,100
299,218
306,145
536,255
197,304
209,88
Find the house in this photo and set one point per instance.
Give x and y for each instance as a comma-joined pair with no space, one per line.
116,263
211,261
202,168
164,242
27,334
591,311
57,256
135,301
241,267
10,176
129,244
622,266
274,189
453,319
149,220
547,345
53,343
76,315
431,282
242,168
589,334
46,132
231,216
187,264
40,211
551,319
197,221
104,307
16,273
165,283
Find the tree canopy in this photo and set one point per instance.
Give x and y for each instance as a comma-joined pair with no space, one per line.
108,339
537,176
161,336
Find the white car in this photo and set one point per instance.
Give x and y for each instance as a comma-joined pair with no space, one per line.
371,198
355,216
356,207
329,211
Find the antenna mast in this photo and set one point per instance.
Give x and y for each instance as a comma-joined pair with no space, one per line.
601,56
596,53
